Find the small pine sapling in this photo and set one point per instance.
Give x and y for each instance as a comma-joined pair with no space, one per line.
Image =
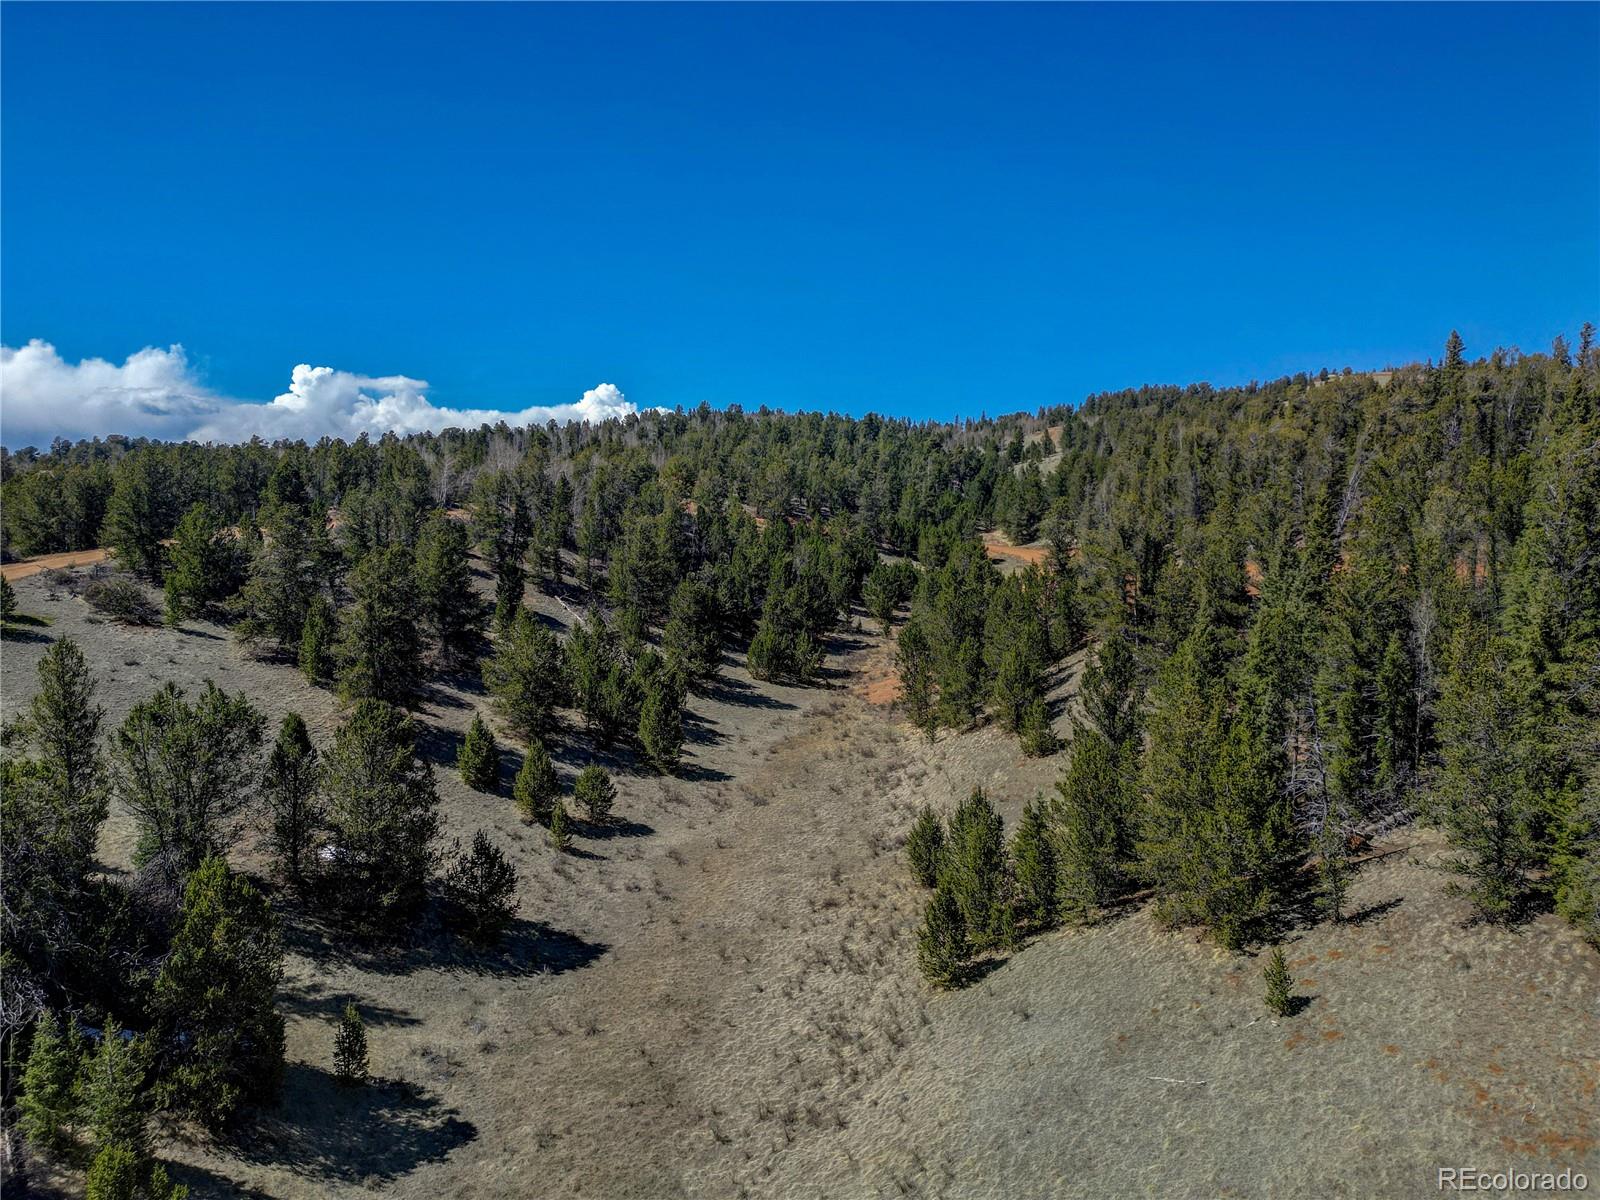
350,1048
1280,985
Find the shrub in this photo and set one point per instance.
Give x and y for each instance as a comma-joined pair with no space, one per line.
350,1048
481,889
122,600
595,791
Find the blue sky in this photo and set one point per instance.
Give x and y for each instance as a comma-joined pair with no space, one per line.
925,211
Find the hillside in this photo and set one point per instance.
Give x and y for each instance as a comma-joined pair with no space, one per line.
721,997
794,805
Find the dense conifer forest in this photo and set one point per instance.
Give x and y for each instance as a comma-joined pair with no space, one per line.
1312,610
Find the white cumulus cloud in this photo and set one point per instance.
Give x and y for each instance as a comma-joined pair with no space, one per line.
153,392
156,393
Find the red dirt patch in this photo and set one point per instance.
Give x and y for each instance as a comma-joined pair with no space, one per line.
1391,1048
1332,1035
999,548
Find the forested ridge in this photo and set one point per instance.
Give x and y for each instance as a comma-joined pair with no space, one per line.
1312,610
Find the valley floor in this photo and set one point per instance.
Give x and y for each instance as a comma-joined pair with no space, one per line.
719,997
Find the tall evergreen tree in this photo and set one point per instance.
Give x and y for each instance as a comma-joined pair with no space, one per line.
478,760
536,786
1482,795
380,650
292,792
382,816
186,770
445,596
1034,863
925,848
202,564
974,870
527,676
214,998
943,949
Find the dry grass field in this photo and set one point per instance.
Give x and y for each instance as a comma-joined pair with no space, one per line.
718,996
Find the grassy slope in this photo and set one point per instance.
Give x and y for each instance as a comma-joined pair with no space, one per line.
722,999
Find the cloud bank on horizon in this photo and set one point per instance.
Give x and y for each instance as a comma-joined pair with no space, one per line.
156,393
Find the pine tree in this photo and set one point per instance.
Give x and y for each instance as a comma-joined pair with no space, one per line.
1482,796
1280,985
63,727
382,816
527,676
560,838
1215,824
47,1103
481,889
215,1000
202,565
692,635
140,513
283,577
350,1048
943,950
317,635
445,595
1016,687
914,662
925,848
187,771
8,600
478,760
111,1093
1034,864
1092,830
661,725
116,1173
1333,863
292,793
1110,691
536,786
595,791
974,869
1037,736
379,650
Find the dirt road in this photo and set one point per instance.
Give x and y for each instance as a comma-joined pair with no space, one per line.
49,562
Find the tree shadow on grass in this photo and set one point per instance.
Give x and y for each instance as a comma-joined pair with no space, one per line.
1372,912
13,633
606,831
697,773
313,999
204,1184
700,730
727,690
528,948
376,1133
